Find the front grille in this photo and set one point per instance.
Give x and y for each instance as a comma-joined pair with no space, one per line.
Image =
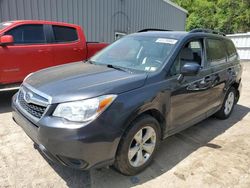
33,109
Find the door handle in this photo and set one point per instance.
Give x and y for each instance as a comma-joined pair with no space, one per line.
231,71
205,83
77,49
44,50
208,79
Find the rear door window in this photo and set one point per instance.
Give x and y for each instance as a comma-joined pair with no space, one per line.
28,34
64,34
216,52
232,53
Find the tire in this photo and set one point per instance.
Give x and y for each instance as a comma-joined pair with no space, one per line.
228,104
128,161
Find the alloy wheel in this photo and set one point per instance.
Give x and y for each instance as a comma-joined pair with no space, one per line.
229,103
142,146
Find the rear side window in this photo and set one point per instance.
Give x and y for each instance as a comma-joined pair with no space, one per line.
216,52
64,34
28,34
232,53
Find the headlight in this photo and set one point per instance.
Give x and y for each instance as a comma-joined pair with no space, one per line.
84,111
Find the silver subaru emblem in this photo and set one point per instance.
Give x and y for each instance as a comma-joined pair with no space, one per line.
28,97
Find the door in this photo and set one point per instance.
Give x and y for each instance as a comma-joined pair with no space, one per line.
189,96
221,56
67,45
217,61
29,53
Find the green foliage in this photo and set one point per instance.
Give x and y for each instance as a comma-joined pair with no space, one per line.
229,16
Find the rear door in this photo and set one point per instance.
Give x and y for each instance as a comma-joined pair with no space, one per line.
29,53
218,62
190,97
67,45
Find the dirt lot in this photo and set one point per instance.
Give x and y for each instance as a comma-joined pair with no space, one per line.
213,153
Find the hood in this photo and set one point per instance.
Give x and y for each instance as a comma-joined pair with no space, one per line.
77,81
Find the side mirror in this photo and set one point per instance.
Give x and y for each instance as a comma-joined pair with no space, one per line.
190,69
6,40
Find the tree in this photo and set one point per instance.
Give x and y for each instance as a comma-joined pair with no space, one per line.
229,16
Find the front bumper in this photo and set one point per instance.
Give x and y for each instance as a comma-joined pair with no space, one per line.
93,145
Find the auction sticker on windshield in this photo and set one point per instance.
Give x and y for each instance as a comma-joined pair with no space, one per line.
166,41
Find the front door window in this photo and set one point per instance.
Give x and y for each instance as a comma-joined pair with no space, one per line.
191,52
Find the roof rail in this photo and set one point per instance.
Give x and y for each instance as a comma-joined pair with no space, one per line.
152,29
207,31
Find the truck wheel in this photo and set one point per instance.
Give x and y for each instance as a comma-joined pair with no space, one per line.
138,146
228,104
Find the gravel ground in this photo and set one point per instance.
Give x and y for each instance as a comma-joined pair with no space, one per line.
213,153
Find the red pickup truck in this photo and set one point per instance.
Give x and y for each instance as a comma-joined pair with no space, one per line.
29,45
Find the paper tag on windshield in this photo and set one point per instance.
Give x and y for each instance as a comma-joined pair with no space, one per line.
166,41
152,69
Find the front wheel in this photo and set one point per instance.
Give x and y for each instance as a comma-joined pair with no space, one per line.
228,104
138,146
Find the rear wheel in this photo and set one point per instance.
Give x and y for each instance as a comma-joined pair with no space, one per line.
138,146
228,104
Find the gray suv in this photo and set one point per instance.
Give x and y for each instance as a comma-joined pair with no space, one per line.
116,108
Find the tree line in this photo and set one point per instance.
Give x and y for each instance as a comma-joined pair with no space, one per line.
228,16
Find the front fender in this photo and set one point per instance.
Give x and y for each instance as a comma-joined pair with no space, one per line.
144,100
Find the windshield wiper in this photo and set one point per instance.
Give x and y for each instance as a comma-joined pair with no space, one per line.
90,61
117,68
108,65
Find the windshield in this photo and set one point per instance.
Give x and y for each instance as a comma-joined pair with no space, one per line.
136,52
4,25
